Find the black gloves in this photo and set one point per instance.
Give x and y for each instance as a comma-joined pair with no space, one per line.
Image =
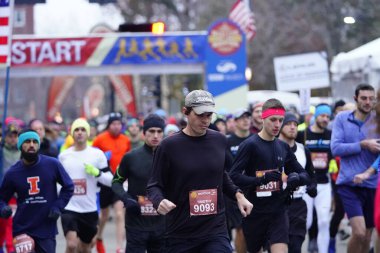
271,176
293,181
54,213
312,190
131,205
6,212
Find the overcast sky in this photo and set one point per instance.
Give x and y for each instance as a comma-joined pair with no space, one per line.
73,17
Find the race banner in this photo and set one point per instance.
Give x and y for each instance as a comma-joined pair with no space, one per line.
101,50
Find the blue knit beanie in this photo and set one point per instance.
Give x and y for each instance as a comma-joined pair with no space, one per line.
27,136
322,109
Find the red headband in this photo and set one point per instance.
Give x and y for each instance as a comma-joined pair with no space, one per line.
272,111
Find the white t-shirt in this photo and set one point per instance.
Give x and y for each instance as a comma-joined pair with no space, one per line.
85,185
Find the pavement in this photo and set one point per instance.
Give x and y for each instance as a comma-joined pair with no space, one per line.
109,239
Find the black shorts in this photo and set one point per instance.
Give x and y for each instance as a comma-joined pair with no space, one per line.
220,244
85,224
107,197
234,217
297,217
260,229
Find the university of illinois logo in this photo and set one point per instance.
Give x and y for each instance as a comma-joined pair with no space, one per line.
33,185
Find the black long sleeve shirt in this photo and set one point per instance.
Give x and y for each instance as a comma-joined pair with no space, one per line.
136,167
183,164
257,156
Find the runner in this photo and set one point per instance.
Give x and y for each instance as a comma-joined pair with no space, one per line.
144,226
189,179
234,218
316,138
258,166
115,145
297,209
34,179
84,164
355,140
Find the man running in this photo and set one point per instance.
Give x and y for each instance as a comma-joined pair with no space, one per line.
297,209
144,226
355,140
34,180
189,179
258,168
84,164
316,138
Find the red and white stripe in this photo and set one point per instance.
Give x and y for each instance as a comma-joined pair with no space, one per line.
242,15
5,30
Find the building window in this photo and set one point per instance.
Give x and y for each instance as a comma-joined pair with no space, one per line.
19,18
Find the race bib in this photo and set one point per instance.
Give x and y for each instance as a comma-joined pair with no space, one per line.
23,243
203,202
320,160
146,206
266,189
80,186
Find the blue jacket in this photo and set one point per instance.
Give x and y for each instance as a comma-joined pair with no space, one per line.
347,134
36,190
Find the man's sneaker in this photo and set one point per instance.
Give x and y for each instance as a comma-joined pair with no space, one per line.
343,235
313,246
332,245
99,246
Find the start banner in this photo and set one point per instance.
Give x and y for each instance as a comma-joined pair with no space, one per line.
104,50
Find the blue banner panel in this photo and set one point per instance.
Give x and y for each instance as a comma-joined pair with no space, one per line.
226,57
157,50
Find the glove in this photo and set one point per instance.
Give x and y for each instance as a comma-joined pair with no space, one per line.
54,213
312,190
333,166
6,212
91,170
271,176
132,207
293,181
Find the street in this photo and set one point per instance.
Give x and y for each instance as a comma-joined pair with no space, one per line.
110,240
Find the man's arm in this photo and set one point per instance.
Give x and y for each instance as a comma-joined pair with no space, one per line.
67,189
6,192
156,184
240,164
293,166
119,178
338,145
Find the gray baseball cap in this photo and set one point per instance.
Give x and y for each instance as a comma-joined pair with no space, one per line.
200,101
240,112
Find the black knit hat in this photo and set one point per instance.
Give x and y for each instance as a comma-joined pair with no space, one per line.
289,117
114,116
153,120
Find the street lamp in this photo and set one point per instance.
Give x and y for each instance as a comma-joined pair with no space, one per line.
349,20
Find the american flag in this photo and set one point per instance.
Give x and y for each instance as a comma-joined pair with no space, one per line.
5,29
242,15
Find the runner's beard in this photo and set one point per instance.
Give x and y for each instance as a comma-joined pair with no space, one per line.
29,156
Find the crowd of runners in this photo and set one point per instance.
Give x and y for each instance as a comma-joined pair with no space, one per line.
260,179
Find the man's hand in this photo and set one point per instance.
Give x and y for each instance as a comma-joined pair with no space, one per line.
293,181
312,190
131,206
91,170
244,205
54,213
165,207
6,212
360,178
372,145
271,176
